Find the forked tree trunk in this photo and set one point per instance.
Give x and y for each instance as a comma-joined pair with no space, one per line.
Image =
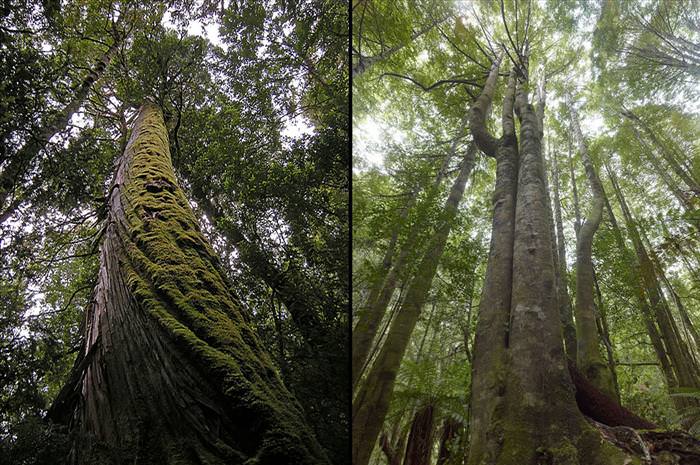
171,370
537,419
589,358
490,340
371,403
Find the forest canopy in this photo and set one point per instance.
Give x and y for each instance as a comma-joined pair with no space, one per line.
177,169
526,218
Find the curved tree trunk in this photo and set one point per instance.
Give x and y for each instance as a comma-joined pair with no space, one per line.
371,403
171,370
589,359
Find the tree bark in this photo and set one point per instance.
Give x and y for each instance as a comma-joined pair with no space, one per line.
490,341
450,431
371,403
589,359
420,439
171,370
540,420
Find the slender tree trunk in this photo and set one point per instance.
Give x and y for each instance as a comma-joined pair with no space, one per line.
562,276
574,189
420,439
394,446
589,359
685,371
604,331
371,403
365,331
13,173
171,370
687,178
670,183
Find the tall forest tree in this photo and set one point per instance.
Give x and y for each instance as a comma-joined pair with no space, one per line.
547,383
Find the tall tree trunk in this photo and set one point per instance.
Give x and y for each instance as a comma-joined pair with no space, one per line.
365,331
490,341
665,176
540,421
14,172
371,403
685,371
641,297
420,439
171,370
589,359
562,276
687,178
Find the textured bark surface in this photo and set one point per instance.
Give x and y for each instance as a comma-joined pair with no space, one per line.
541,421
420,440
589,359
371,403
13,173
490,342
171,370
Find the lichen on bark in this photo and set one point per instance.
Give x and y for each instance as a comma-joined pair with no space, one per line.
171,370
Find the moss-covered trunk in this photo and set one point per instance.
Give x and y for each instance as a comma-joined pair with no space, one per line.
589,358
171,370
371,404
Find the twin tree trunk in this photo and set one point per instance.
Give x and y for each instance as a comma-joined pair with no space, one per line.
171,370
523,409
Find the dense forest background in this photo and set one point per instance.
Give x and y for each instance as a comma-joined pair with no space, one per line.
255,100
614,85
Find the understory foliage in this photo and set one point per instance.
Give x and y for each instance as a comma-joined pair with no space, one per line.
628,71
255,99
